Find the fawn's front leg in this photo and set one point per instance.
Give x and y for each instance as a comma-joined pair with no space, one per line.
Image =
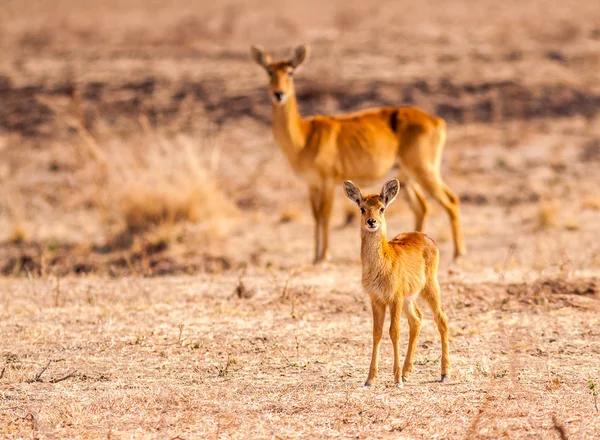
378,318
395,313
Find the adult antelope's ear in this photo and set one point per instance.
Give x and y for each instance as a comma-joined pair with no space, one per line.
390,191
299,56
260,55
352,192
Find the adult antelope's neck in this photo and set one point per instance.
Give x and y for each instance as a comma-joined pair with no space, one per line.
289,129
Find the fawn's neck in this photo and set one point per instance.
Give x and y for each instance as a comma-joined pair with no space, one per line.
374,249
289,129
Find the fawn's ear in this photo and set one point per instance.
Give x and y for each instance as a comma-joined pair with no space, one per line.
300,55
260,56
390,191
352,192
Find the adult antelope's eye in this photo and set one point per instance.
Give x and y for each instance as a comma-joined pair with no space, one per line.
290,72
381,210
362,210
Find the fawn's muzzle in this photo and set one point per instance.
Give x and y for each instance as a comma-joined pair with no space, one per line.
372,222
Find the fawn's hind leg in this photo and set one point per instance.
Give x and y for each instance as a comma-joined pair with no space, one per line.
432,294
414,316
378,318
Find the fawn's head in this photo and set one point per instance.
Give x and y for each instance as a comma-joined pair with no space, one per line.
372,206
281,84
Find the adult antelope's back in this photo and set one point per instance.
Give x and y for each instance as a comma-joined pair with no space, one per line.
363,146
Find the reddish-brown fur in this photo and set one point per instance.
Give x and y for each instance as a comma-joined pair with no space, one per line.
395,273
363,146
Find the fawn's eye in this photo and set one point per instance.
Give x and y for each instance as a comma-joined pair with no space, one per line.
362,210
381,210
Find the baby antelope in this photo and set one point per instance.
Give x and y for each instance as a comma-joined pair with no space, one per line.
395,273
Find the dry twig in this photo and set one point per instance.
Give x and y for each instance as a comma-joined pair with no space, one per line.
39,375
60,379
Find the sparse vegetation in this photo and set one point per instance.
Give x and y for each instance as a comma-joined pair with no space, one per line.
162,203
591,202
17,234
290,215
547,215
594,390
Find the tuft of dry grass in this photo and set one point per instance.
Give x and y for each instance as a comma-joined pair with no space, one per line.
572,225
166,186
547,215
290,214
17,234
144,207
591,202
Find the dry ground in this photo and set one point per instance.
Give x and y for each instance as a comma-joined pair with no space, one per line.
187,357
135,148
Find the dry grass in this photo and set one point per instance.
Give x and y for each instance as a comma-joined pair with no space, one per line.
572,224
290,214
18,234
143,207
547,215
187,357
166,186
591,202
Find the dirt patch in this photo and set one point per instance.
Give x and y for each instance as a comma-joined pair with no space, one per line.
164,102
154,259
558,292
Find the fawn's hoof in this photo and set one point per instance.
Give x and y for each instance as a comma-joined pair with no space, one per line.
404,379
367,384
444,378
399,384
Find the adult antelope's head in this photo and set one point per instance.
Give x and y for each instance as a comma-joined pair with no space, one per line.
372,206
281,84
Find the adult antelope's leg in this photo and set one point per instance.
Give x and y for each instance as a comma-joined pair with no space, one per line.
327,196
414,197
378,318
315,204
432,294
414,321
433,184
395,313
417,204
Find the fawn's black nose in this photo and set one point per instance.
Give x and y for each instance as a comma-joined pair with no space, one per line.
278,96
371,222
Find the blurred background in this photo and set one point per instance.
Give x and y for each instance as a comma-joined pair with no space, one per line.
135,136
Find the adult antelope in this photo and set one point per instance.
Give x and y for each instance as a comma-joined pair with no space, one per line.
395,273
363,146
